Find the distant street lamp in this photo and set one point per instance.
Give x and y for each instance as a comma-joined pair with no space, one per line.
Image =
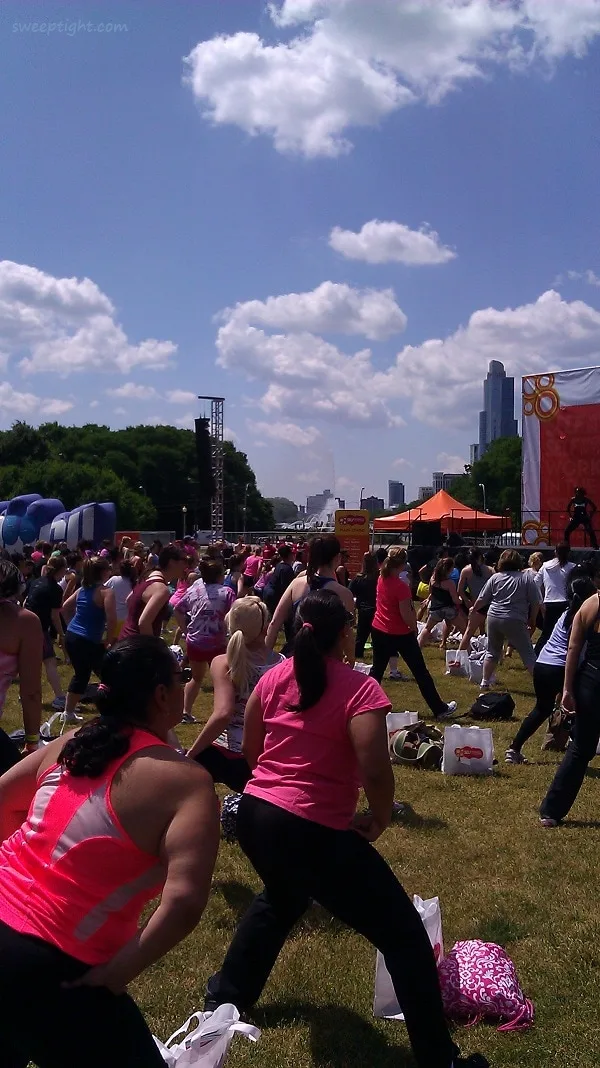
184,515
361,496
482,488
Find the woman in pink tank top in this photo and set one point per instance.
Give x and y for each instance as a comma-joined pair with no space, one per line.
93,828
148,604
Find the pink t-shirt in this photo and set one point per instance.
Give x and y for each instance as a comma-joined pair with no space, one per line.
252,566
390,591
308,765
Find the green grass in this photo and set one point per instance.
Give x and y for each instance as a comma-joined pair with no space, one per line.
477,845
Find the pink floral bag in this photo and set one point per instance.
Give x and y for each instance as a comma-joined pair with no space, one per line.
479,980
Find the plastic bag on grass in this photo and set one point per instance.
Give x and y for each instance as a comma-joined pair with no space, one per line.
206,1044
385,1003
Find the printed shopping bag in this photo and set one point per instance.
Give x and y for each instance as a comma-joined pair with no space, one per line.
479,981
468,750
206,1045
385,1003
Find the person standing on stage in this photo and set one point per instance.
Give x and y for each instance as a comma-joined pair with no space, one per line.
581,513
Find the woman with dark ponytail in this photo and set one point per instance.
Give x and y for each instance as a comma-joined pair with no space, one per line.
314,731
549,668
94,828
324,558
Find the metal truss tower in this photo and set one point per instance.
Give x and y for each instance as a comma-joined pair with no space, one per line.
217,408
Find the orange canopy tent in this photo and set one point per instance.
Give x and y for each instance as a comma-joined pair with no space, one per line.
444,509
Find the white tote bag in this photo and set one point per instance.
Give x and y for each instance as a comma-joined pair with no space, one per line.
457,662
206,1044
385,1003
468,750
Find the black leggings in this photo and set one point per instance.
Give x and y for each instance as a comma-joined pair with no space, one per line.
57,1028
584,521
553,610
85,656
233,772
585,734
406,646
299,860
364,621
548,684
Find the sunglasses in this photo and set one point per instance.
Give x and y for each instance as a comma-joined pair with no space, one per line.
184,675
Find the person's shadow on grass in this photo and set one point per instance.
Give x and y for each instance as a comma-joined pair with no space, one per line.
339,1037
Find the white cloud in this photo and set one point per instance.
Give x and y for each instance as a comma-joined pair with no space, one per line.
391,242
17,405
287,433
353,62
451,464
344,483
94,404
442,378
331,308
181,396
588,276
230,435
186,422
308,478
401,463
133,391
307,376
67,325
120,411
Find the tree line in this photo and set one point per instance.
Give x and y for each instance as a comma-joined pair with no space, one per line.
150,472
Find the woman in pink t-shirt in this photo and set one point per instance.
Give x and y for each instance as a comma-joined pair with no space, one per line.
314,731
394,632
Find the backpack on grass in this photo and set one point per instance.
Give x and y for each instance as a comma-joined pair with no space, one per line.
421,746
493,706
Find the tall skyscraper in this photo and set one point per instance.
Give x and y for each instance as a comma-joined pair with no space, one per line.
396,496
497,420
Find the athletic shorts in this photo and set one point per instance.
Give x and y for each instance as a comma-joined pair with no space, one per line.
443,615
197,655
47,647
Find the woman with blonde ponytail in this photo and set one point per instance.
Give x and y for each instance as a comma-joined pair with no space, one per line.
218,747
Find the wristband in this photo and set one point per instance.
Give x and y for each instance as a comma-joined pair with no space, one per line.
32,739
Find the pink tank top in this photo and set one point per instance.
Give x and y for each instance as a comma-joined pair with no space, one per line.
71,875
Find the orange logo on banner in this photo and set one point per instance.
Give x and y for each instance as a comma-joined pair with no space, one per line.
540,398
352,530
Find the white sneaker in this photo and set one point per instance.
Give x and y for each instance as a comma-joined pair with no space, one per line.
397,676
450,710
188,718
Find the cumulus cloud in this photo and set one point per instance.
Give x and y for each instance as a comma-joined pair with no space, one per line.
18,405
133,391
185,422
331,308
391,242
181,396
588,276
441,378
120,411
286,433
352,63
451,464
401,463
67,325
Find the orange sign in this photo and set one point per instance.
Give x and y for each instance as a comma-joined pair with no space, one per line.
352,529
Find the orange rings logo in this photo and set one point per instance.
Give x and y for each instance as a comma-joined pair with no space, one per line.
535,533
540,398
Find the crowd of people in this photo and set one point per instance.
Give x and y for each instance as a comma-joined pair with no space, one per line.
114,813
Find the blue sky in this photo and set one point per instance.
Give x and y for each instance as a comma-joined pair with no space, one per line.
470,126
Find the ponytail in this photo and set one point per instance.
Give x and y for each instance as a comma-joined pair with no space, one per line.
321,619
131,671
580,589
394,561
246,621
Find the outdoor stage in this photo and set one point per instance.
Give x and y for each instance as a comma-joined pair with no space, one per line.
561,450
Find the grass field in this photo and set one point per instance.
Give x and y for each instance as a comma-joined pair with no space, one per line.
476,843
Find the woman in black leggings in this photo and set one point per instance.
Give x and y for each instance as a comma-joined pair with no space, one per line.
549,668
313,728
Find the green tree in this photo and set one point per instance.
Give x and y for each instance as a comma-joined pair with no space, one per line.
284,510
499,470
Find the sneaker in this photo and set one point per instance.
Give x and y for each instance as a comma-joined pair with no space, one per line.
450,710
397,676
485,686
188,718
513,756
72,717
546,822
58,704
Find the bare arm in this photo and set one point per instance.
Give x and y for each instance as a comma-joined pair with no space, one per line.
450,586
69,606
155,604
110,608
223,707
188,852
30,675
254,730
281,613
584,618
407,611
368,735
462,588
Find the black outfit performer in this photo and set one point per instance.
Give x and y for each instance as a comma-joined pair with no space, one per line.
581,512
